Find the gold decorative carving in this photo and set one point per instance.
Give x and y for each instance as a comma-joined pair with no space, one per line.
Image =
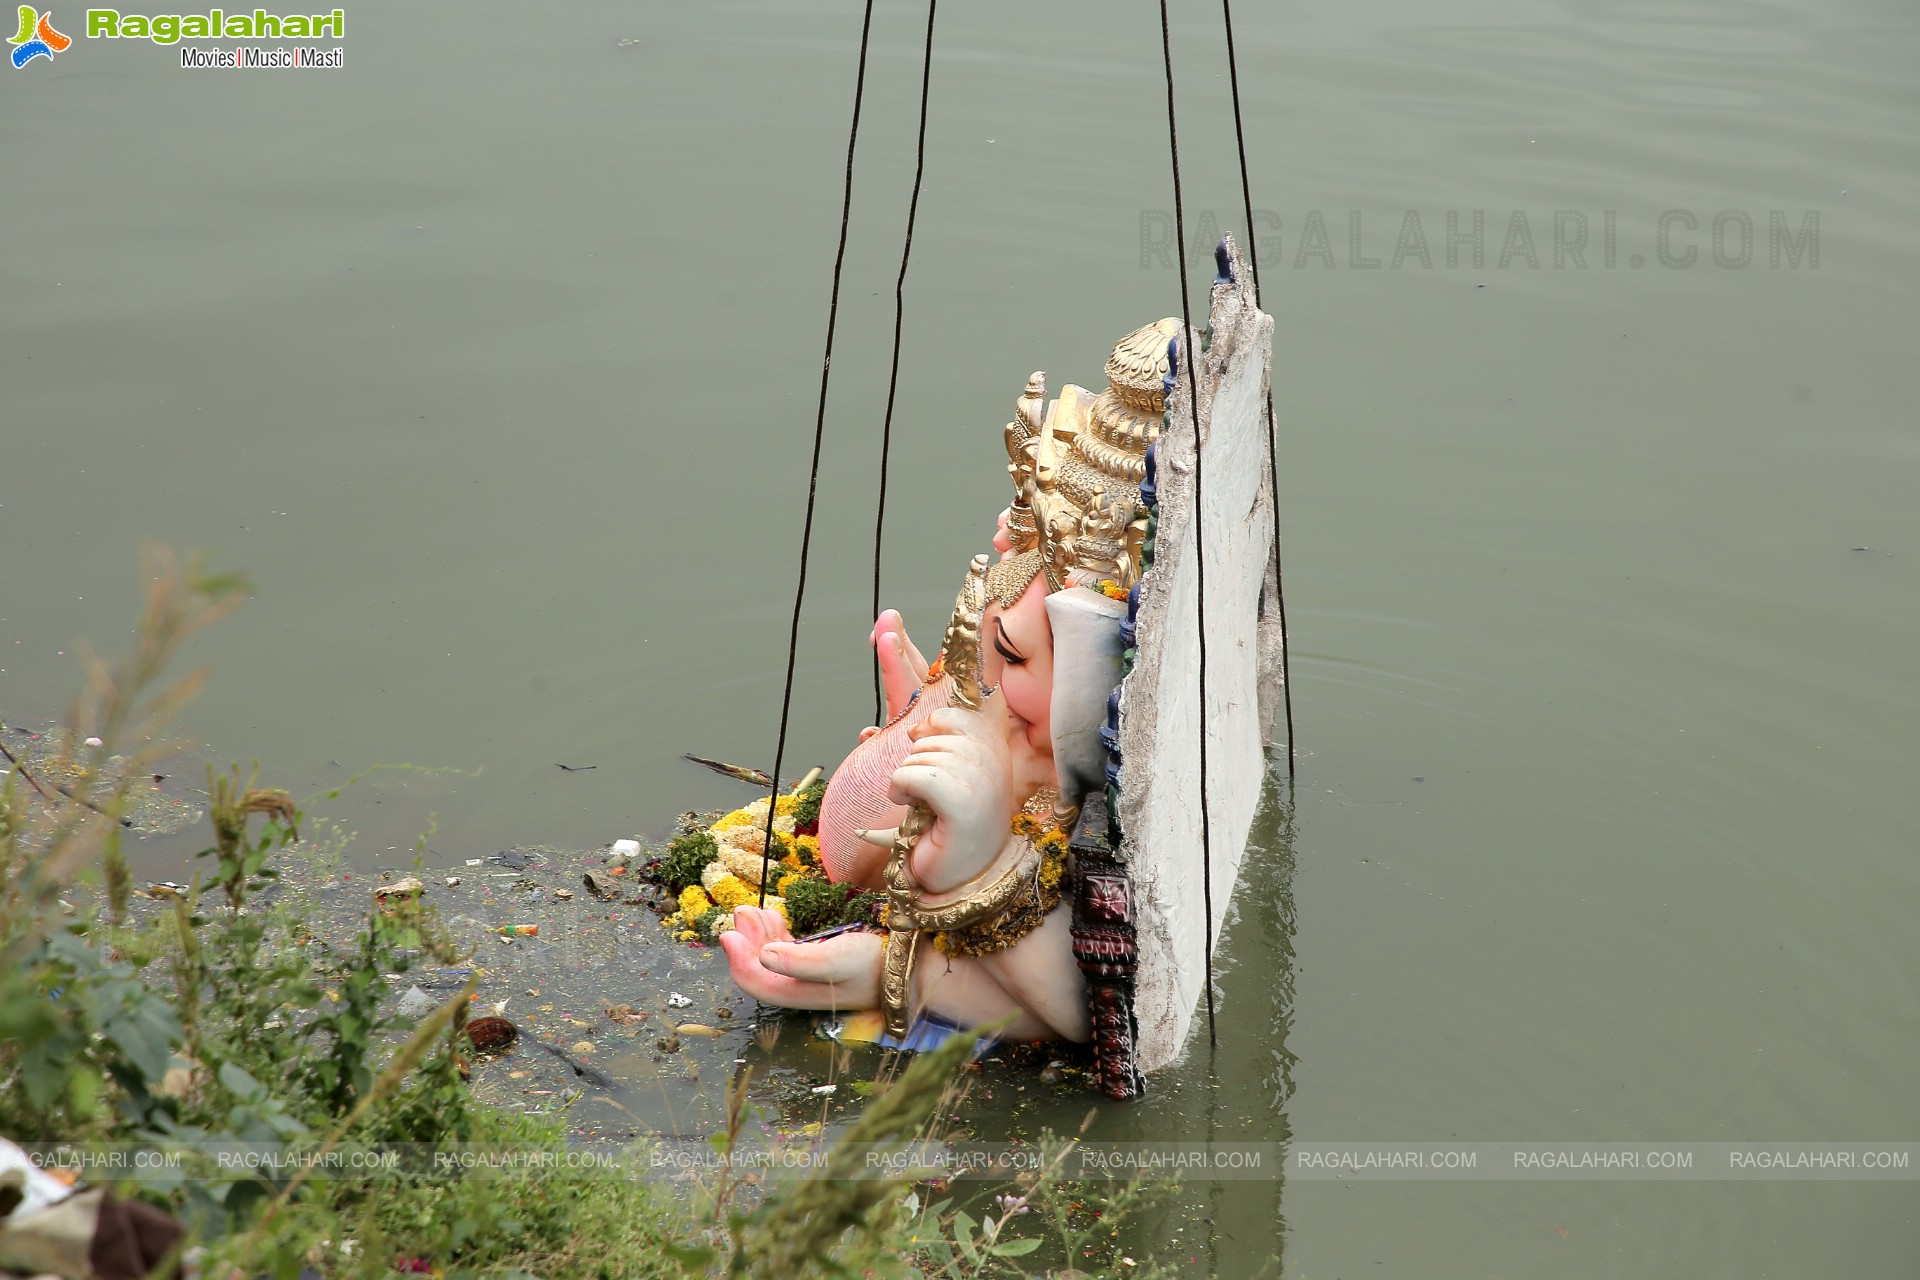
1076,472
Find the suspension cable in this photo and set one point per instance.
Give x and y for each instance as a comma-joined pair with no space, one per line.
813,474
1186,345
1273,455
893,372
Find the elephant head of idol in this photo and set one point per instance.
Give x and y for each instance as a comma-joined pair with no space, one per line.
1050,645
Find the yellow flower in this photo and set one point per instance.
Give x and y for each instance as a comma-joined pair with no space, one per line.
687,935
1112,590
1052,871
730,891
755,815
738,818
693,901
1025,824
780,885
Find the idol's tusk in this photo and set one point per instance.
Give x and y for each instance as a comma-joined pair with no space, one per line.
882,838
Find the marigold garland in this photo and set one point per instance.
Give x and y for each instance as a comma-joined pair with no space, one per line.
731,878
1026,912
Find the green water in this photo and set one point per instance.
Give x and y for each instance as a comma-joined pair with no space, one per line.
492,357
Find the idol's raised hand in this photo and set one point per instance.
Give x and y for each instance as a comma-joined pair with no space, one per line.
960,768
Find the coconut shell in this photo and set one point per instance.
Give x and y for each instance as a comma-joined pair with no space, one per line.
491,1033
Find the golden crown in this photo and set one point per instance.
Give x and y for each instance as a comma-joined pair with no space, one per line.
1077,465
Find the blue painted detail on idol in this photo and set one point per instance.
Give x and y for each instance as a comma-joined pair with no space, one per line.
1223,265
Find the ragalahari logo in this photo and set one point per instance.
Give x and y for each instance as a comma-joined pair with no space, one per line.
37,38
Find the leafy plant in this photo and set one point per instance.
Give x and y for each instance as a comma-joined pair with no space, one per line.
686,857
806,813
814,904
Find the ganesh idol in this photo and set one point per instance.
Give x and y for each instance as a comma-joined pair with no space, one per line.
988,807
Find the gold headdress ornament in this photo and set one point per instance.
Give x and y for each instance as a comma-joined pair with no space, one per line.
1077,465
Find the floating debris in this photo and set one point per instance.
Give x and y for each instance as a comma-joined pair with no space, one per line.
489,1034
442,978
697,1029
758,777
407,888
677,1001
579,1068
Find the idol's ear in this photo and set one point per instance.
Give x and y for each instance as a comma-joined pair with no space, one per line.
1086,667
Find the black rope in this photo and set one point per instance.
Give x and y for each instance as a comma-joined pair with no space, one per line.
813,475
1273,462
1199,516
893,373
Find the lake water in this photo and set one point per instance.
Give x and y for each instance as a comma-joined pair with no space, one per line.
491,358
